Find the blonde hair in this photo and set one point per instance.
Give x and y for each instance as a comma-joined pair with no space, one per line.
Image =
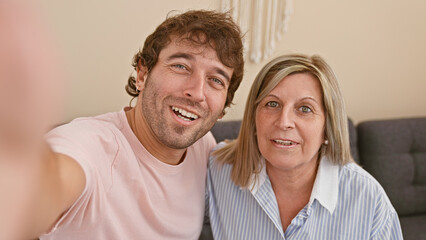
243,153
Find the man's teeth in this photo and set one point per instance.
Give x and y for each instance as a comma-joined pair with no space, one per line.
286,143
187,116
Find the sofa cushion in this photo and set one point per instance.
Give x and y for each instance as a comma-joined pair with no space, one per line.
353,139
394,152
413,227
226,130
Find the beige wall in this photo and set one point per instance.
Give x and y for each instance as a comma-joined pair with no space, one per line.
377,49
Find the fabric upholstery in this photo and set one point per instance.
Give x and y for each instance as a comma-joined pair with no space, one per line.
394,152
353,140
226,130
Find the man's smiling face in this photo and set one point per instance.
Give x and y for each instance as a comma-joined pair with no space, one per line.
184,93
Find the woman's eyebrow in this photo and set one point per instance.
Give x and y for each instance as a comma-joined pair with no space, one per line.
309,98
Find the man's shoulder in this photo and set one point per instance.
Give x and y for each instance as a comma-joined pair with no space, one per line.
200,150
87,136
206,142
90,125
111,119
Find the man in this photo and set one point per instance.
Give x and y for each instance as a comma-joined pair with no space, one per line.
140,173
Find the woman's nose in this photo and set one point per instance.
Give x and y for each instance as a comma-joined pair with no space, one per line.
286,119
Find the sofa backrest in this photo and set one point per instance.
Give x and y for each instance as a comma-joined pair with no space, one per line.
223,130
394,152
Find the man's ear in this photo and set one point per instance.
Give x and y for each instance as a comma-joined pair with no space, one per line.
221,115
141,76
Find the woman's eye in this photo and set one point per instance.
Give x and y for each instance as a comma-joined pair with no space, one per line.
272,104
306,109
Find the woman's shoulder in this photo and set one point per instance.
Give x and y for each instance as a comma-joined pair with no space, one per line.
356,172
353,176
219,146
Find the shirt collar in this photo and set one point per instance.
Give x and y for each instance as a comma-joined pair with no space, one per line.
326,185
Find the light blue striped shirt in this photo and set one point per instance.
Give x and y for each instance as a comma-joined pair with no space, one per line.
346,203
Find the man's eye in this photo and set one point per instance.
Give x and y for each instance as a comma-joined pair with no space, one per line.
180,66
306,109
272,104
218,81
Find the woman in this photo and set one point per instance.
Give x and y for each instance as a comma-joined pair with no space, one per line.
289,174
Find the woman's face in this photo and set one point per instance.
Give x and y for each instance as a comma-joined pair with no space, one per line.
290,123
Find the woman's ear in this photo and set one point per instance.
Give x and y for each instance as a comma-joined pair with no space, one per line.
141,75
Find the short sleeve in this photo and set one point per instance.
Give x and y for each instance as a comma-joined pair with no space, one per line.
65,140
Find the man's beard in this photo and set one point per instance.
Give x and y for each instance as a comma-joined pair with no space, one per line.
173,136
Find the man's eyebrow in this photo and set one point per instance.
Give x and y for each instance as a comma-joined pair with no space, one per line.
190,57
180,55
223,73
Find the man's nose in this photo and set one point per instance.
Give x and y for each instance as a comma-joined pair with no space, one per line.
194,88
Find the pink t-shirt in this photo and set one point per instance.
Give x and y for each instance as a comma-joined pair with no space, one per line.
129,194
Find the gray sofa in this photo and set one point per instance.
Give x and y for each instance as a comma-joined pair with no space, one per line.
393,151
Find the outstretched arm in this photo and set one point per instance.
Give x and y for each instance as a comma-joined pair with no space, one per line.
36,185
